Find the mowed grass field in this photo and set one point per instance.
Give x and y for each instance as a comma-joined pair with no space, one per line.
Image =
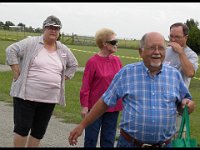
71,113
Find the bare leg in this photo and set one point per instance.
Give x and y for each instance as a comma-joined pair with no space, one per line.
33,142
19,141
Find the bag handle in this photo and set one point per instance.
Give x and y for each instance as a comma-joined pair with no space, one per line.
185,121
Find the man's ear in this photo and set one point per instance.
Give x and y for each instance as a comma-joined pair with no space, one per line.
140,51
186,37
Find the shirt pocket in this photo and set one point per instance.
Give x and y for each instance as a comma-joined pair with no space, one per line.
169,97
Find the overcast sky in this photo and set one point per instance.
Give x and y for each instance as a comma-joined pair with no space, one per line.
128,20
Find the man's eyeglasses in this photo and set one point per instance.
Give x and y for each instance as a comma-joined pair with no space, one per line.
153,48
113,42
175,37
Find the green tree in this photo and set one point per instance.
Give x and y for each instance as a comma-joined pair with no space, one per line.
1,24
191,23
194,35
29,29
22,26
7,24
38,30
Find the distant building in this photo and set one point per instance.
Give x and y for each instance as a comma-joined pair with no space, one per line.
16,28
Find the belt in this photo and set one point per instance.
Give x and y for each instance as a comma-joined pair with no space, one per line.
142,144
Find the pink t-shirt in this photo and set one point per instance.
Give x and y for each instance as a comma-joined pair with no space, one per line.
44,78
98,74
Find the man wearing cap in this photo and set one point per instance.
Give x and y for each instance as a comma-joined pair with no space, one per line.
40,66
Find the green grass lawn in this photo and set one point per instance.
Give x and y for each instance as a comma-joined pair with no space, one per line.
3,46
126,55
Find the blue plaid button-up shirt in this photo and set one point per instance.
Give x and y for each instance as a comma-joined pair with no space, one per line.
150,103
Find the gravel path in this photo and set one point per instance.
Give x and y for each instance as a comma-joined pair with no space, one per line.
4,67
56,135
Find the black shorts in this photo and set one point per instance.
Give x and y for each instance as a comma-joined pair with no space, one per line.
30,116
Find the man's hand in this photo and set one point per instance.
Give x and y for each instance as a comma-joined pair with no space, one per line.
189,103
75,134
176,47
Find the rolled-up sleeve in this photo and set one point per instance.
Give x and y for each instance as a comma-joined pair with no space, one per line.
14,52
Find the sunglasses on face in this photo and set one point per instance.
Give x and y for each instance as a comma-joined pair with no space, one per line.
113,42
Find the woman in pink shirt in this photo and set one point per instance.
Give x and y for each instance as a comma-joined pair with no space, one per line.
98,74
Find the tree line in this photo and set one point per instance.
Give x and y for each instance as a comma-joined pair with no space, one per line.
22,27
193,37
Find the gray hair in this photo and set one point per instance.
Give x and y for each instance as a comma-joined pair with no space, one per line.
143,39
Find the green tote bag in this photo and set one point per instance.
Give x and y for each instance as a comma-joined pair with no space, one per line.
187,141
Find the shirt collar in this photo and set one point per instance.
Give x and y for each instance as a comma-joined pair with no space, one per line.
147,70
41,40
